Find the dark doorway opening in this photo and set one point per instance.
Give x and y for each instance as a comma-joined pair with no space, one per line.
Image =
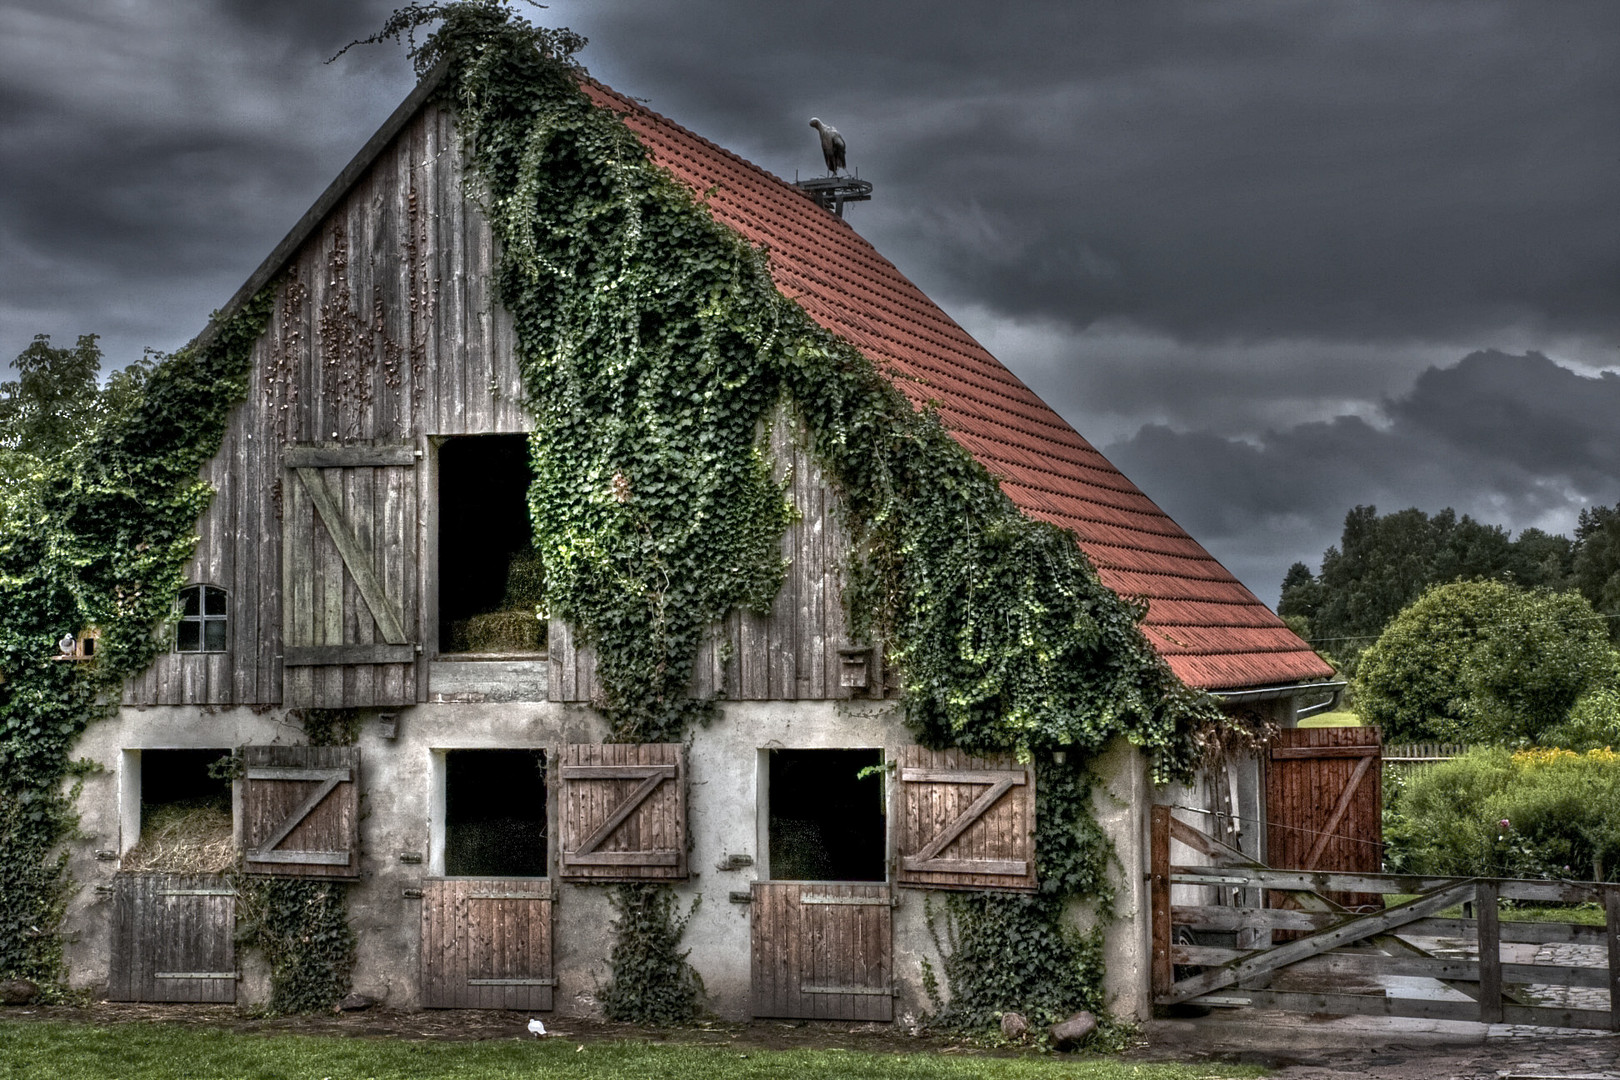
490,579
495,813
827,820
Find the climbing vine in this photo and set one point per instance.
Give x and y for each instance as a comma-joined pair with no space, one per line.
98,537
302,924
651,981
654,347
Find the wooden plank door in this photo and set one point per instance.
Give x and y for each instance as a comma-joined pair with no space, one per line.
349,597
623,812
965,822
486,944
301,811
173,938
822,950
1324,804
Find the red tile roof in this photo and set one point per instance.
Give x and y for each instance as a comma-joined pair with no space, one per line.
1214,632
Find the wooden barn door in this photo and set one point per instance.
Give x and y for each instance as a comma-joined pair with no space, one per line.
1324,804
822,950
173,938
301,811
349,566
623,812
486,944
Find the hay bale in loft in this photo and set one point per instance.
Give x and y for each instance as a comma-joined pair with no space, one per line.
192,837
498,632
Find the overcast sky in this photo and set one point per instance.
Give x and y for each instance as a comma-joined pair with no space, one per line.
1274,257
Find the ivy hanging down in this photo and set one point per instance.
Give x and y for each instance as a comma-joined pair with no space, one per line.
654,346
99,537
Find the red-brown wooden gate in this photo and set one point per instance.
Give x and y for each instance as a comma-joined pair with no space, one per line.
1324,805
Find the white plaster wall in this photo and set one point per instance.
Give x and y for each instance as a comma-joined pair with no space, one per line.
401,815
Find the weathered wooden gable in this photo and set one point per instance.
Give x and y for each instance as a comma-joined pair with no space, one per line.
384,336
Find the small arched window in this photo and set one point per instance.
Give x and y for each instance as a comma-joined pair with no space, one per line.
201,627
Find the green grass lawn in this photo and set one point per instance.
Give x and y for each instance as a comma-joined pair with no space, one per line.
1336,718
58,1050
1581,914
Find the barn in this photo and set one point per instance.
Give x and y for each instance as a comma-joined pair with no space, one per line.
366,563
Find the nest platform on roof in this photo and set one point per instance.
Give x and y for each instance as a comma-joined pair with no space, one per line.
832,192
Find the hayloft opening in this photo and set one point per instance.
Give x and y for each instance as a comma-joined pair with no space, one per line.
495,813
490,578
825,819
185,813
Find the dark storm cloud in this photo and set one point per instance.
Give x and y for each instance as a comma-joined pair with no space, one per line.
1251,223
1513,440
1372,170
154,153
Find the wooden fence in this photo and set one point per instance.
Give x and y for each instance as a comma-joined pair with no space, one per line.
1482,968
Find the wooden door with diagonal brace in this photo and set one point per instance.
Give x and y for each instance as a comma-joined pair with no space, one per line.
349,593
1324,804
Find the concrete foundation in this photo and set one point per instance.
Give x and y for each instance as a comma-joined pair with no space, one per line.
402,838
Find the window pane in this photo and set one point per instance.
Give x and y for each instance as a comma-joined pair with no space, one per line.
215,601
214,635
189,601
189,637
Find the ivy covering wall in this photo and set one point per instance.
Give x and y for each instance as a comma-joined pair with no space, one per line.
99,536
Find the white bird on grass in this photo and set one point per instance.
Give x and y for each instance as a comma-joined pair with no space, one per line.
832,145
536,1028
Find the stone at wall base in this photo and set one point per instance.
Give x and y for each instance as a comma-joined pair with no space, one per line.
1014,1025
1070,1033
355,1003
18,992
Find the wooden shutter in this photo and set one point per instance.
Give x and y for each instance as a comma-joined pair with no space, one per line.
349,596
822,950
301,811
623,812
486,944
173,938
965,822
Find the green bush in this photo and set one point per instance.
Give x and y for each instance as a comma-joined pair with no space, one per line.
1593,724
1483,662
1492,813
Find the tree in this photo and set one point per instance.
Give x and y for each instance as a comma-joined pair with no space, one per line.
1483,661
1383,563
55,398
1595,568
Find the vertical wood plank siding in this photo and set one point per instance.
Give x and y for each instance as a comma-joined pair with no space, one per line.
787,654
385,330
173,938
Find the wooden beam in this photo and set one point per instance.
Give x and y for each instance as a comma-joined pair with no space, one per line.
1163,974
1611,909
1490,954
1356,929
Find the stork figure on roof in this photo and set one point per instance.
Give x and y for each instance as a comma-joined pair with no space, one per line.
832,146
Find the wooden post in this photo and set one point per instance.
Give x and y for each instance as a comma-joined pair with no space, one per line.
1490,954
1611,911
1159,891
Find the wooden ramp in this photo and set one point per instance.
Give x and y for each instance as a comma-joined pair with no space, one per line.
1340,949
